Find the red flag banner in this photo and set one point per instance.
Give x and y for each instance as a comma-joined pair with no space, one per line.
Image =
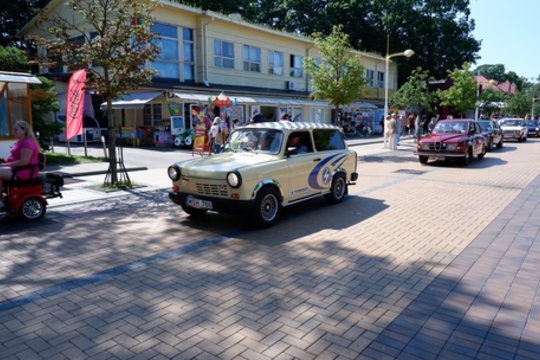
75,104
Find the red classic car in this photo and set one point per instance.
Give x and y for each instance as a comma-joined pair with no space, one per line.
455,138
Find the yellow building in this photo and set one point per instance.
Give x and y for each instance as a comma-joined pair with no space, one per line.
204,54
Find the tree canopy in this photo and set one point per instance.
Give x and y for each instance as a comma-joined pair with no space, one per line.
113,44
463,94
339,74
414,94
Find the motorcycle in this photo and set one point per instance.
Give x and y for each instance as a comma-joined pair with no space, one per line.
28,198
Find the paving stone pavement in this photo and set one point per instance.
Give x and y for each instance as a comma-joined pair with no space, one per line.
427,262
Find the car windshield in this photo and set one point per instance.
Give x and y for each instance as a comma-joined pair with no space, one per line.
255,140
446,127
512,122
486,125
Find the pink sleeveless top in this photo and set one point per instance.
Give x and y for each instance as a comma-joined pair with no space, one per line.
26,143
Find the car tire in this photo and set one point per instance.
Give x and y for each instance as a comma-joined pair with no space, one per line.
338,189
423,159
32,209
267,207
193,212
468,157
482,154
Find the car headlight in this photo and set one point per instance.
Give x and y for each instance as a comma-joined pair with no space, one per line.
174,172
234,179
451,147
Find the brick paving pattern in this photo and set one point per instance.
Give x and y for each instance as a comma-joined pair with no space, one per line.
440,262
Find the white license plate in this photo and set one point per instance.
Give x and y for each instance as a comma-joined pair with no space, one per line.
198,203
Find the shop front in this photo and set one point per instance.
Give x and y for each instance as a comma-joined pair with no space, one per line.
361,116
170,118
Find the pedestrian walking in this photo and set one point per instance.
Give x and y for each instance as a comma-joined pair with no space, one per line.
386,131
392,133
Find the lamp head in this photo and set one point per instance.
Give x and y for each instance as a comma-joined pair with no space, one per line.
408,53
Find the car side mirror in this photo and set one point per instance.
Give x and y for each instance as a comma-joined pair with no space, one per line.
292,150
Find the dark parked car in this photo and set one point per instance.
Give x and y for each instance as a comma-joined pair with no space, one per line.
453,139
534,127
493,134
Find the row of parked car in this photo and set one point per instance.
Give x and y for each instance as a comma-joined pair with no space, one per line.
464,139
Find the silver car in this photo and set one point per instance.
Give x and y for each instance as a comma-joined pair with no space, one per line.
514,129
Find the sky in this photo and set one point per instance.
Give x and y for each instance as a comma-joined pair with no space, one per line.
510,34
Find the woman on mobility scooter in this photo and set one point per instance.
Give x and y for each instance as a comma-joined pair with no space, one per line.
20,168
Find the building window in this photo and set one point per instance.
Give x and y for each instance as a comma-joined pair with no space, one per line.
370,77
380,79
223,54
252,58
188,58
275,62
152,114
167,64
297,66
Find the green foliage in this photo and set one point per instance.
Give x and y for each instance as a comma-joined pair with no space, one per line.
414,94
490,100
54,158
339,75
44,102
13,59
518,104
462,95
114,57
14,14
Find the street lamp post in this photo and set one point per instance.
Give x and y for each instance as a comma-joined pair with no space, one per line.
406,53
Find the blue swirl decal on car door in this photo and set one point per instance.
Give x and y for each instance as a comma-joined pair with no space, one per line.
313,180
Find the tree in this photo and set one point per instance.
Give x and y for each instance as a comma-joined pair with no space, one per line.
462,95
13,59
414,94
340,74
14,14
491,100
112,43
518,104
44,102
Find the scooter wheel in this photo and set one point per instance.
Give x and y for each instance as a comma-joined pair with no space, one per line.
32,209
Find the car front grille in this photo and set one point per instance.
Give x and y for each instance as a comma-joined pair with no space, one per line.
436,146
212,189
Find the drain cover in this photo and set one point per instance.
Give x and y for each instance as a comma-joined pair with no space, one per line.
410,171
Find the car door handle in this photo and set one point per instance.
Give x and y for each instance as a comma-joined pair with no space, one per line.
317,159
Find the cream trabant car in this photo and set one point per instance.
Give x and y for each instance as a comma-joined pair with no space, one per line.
264,167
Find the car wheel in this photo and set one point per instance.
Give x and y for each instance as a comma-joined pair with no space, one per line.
32,209
267,207
338,189
482,154
423,159
192,211
468,157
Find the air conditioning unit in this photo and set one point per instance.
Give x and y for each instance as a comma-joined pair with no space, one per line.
290,85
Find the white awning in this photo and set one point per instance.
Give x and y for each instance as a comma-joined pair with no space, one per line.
132,101
14,77
250,100
204,98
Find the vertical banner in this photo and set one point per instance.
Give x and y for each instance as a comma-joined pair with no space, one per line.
75,104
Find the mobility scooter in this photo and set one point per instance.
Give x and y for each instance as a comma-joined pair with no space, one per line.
28,198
